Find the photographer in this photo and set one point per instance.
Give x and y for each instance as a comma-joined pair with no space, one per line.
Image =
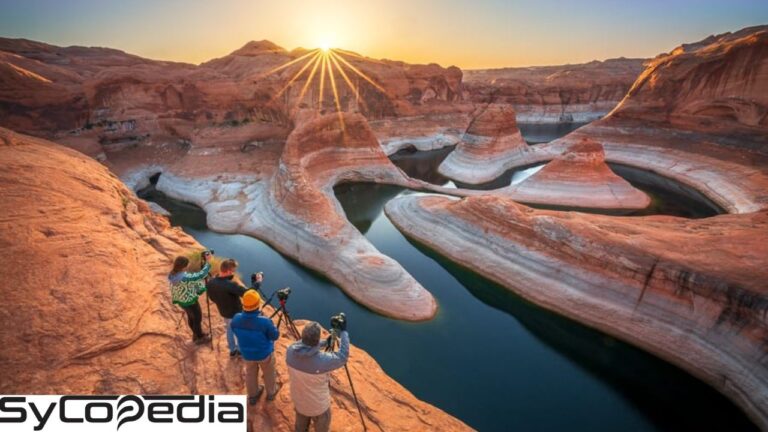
308,369
226,293
256,336
186,288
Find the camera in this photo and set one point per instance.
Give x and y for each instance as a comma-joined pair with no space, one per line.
254,276
206,253
282,294
338,321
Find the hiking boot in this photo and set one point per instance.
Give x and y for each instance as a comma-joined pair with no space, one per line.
272,397
202,339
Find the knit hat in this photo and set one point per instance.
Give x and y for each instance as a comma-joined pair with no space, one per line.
251,300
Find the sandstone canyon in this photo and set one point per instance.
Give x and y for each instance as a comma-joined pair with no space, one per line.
131,343
250,140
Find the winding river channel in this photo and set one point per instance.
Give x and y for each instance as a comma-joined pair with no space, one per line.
489,358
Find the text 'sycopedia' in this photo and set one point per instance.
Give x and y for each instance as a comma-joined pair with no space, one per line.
122,413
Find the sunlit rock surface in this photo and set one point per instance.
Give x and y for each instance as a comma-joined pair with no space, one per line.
689,291
87,264
714,151
579,178
491,135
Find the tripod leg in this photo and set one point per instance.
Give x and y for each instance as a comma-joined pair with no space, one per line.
354,394
291,326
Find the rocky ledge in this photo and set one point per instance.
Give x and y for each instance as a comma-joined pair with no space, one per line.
669,285
579,178
87,264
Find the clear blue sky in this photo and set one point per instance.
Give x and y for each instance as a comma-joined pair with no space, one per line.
467,33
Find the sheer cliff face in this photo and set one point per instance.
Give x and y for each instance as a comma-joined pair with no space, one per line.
581,92
717,84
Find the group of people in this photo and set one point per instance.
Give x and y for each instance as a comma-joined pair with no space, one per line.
251,335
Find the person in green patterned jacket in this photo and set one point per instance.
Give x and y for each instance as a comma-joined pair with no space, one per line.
185,289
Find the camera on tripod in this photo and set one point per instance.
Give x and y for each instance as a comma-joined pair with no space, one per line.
338,321
255,276
283,293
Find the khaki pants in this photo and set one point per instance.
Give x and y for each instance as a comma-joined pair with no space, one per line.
322,422
268,372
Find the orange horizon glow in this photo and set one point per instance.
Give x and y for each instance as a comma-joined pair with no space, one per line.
468,34
331,62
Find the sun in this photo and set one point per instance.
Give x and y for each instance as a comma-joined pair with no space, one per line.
325,47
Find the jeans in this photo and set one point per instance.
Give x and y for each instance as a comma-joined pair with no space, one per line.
195,319
267,371
231,341
322,422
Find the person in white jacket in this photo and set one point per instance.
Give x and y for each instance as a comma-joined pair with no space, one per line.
309,367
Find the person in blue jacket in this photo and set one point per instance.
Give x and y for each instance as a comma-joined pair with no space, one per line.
256,336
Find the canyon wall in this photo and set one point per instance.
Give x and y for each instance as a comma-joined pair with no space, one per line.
555,94
689,291
99,100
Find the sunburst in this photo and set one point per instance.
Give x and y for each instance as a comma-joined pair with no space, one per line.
317,65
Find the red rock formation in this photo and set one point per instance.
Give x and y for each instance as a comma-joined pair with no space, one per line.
549,94
492,135
689,291
86,273
98,99
693,116
718,85
579,178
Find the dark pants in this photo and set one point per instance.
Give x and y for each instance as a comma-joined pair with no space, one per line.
322,422
195,319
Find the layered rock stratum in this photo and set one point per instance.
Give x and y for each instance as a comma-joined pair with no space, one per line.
580,178
690,291
233,136
87,307
555,94
671,286
491,135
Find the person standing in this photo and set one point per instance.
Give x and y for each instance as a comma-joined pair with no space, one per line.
309,369
226,294
185,290
256,336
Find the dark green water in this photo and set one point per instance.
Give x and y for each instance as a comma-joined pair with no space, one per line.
489,358
667,196
544,133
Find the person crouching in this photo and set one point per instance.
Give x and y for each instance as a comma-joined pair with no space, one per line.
256,336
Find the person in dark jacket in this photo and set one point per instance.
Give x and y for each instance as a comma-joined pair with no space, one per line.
256,336
226,293
185,289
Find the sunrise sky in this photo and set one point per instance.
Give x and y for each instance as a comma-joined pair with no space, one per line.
466,33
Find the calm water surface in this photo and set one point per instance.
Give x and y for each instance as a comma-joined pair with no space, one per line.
489,358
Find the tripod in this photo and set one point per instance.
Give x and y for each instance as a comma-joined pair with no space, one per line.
282,312
329,347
